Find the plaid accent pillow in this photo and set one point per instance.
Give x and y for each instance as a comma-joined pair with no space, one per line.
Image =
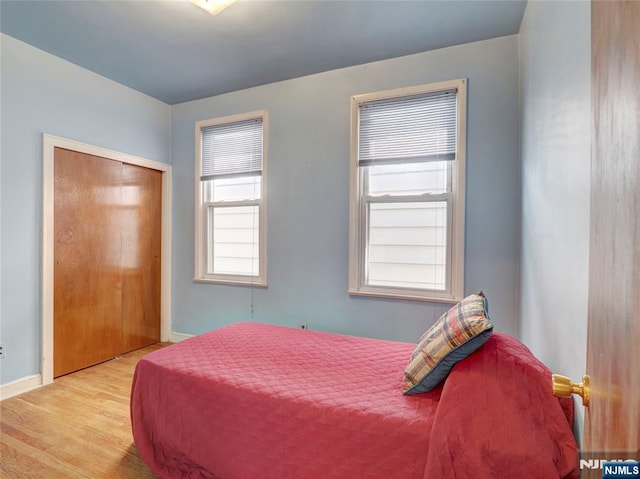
458,333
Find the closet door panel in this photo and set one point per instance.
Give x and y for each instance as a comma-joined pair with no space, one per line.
87,256
141,255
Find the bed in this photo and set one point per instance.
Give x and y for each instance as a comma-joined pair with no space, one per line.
257,401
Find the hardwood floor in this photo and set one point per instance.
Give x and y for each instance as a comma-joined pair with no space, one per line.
78,427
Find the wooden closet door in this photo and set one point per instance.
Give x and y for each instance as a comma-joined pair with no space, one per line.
107,251
87,255
141,253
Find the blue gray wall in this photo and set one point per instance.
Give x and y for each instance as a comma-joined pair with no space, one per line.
43,94
308,197
555,71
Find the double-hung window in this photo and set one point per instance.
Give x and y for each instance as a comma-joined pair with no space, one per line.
230,199
407,192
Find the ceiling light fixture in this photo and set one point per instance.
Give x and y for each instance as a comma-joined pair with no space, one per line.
213,6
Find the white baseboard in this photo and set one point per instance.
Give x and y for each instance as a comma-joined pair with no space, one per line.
28,383
20,386
177,337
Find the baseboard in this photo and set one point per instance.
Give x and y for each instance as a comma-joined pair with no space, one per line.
20,386
177,337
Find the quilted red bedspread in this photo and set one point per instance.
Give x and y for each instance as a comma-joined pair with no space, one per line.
255,401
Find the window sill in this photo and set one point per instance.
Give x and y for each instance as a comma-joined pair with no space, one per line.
443,298
232,282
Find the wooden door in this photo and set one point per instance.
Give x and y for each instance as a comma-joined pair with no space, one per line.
107,259
87,253
612,422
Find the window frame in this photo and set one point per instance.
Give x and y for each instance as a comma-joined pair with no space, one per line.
358,227
202,245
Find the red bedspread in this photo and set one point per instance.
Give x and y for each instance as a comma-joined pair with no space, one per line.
254,401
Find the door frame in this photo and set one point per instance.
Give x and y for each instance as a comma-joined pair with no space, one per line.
49,143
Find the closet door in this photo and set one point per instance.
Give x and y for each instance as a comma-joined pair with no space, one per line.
141,248
88,254
107,226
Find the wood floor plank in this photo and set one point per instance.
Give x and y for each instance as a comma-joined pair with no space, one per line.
77,427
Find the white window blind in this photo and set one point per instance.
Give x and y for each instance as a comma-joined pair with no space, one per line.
232,149
412,129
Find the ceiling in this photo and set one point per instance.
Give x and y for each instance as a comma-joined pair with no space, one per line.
176,52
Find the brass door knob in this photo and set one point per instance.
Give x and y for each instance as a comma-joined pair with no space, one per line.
564,388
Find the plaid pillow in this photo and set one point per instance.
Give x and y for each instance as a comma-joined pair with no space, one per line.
458,333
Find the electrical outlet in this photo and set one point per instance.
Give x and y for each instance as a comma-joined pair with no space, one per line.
304,326
1,350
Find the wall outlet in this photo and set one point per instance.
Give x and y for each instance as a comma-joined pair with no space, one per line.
304,326
1,350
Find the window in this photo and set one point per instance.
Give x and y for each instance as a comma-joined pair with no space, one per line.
230,199
407,192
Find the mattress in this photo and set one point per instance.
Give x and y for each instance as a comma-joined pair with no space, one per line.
252,400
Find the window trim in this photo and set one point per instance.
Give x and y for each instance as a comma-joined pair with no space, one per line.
456,220
201,208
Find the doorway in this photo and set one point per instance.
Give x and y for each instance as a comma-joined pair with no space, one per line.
121,179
